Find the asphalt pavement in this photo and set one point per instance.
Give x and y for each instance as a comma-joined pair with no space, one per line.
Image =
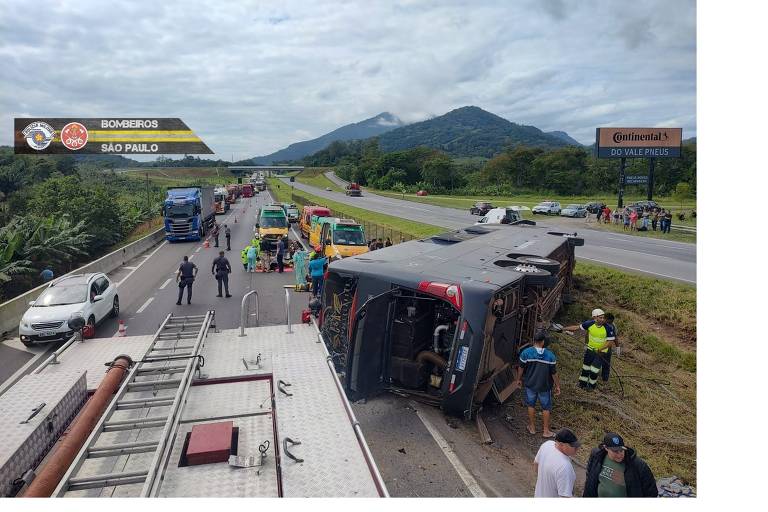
665,259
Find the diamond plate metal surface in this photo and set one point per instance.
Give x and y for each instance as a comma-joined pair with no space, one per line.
24,445
333,465
90,356
227,400
220,479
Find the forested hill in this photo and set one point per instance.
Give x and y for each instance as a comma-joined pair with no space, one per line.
467,131
372,127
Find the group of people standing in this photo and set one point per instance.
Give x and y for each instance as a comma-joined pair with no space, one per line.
635,218
377,243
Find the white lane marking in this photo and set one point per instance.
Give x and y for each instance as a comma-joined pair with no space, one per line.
145,305
682,246
462,471
190,258
140,264
526,244
197,250
610,264
637,252
130,268
165,283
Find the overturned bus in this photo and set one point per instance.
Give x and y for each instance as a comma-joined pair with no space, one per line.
442,319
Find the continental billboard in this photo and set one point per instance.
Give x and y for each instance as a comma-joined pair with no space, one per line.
639,142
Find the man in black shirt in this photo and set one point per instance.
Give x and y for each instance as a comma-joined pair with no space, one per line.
280,254
185,276
221,269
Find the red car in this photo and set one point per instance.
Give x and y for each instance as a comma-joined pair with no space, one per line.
422,193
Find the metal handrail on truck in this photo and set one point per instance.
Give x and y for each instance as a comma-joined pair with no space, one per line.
288,310
244,312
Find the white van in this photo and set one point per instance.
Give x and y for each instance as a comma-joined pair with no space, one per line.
500,216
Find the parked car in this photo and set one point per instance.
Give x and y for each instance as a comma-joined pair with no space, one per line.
650,205
422,193
547,208
574,210
90,296
595,206
481,208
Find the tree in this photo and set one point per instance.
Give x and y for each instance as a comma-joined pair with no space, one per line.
682,192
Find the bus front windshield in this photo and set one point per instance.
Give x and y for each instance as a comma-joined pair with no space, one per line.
348,237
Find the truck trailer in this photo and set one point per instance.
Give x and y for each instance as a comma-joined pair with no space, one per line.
188,213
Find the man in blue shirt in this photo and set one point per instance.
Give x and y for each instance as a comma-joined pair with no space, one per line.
316,271
538,372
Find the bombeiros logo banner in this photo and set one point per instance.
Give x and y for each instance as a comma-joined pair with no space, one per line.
104,136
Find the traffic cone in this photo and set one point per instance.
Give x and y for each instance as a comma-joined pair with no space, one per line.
121,328
206,244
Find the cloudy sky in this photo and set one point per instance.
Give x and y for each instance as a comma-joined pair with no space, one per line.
253,77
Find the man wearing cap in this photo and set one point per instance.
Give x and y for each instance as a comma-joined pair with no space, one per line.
600,338
615,471
554,470
538,366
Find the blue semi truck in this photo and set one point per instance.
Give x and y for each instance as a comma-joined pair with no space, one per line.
188,213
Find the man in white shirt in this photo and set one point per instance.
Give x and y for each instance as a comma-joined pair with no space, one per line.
553,466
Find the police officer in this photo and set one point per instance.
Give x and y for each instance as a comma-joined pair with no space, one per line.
216,234
221,269
228,236
185,276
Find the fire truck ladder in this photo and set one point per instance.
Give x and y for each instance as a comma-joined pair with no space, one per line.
174,351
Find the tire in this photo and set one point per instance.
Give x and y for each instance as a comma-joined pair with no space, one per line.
534,276
115,307
550,265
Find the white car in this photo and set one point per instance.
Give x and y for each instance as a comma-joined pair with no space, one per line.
547,208
500,216
91,296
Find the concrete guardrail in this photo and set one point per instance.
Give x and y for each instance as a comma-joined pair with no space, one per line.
12,310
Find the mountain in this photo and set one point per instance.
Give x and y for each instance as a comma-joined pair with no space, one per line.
467,131
565,137
372,127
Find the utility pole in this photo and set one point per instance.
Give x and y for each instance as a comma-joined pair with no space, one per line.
651,168
621,182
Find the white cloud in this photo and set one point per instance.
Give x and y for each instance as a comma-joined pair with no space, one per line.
251,77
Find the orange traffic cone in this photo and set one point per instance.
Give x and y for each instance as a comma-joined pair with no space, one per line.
206,244
121,328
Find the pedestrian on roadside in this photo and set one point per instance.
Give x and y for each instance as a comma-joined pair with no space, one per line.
372,244
280,254
221,269
215,233
537,374
600,339
644,224
252,253
616,216
228,236
46,275
185,276
244,257
388,242
615,471
667,222
379,244
625,218
662,219
655,218
633,219
607,214
316,272
555,476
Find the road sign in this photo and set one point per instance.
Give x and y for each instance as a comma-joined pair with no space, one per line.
636,180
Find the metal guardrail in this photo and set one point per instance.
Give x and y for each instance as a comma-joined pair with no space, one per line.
288,310
244,311
53,359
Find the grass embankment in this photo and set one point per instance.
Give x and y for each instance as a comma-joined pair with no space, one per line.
652,401
181,176
315,176
465,202
282,193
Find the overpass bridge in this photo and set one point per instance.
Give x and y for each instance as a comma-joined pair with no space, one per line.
268,170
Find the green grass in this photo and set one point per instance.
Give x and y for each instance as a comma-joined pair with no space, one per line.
181,176
411,228
315,176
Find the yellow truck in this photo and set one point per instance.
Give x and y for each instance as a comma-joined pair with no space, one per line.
341,238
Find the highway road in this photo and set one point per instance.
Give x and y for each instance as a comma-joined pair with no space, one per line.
665,259
419,451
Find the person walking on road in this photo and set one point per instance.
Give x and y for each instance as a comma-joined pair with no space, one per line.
280,254
185,276
215,233
538,366
316,272
615,471
221,269
555,476
252,253
228,236
600,337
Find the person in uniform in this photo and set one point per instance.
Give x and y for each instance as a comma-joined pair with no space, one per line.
221,270
185,276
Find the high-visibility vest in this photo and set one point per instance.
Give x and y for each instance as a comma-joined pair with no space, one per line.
244,254
598,337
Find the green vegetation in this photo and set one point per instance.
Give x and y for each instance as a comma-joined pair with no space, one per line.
315,177
183,176
282,193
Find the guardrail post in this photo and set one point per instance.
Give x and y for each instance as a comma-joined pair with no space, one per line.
288,311
244,312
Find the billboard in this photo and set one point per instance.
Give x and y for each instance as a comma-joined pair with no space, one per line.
639,142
